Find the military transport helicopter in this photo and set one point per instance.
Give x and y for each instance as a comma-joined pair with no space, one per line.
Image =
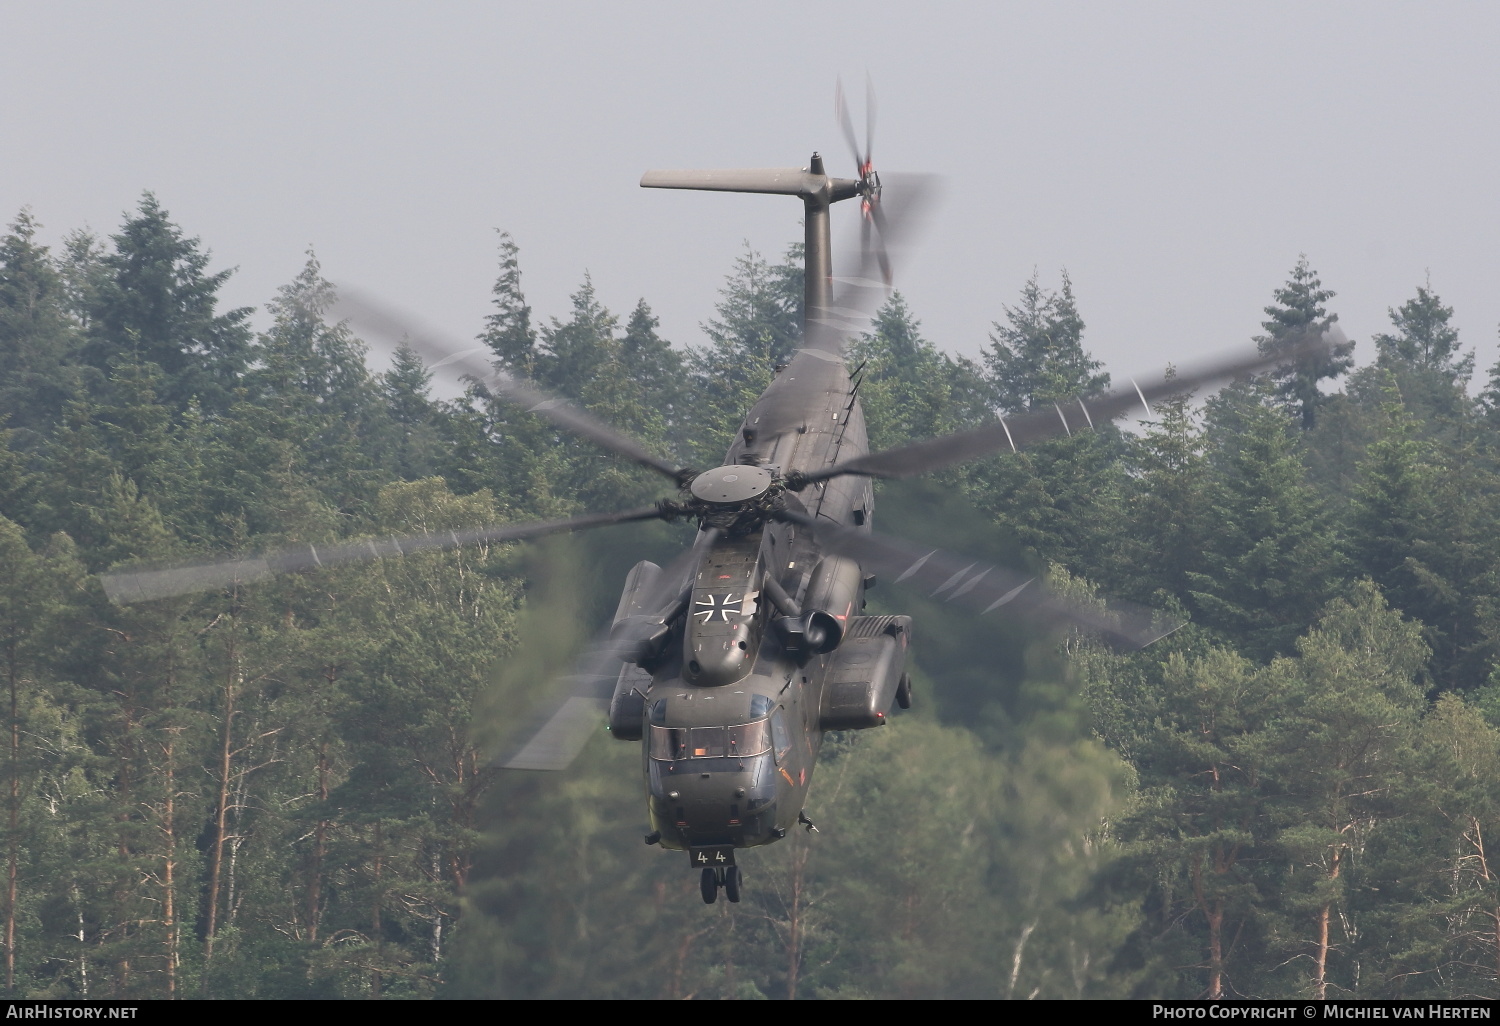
731,663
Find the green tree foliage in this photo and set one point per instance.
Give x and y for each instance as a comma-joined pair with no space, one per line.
35,336
1297,314
415,417
508,329
758,324
155,303
1423,352
282,790
1056,495
1353,701
910,389
1036,357
1166,506
1270,560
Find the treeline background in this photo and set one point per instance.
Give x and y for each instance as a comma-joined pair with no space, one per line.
281,790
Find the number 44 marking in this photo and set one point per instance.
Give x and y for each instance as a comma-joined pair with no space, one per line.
718,856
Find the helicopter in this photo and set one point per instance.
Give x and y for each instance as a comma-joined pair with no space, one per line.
729,665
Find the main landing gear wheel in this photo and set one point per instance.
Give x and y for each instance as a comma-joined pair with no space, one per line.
903,692
710,886
732,883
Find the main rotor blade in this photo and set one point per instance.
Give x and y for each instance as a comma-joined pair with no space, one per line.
126,586
440,351
560,727
1015,433
985,588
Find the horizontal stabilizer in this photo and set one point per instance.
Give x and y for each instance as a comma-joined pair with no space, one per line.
785,181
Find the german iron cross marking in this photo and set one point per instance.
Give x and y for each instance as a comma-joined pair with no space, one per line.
710,606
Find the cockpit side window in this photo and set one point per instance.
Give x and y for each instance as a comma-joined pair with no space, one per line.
781,738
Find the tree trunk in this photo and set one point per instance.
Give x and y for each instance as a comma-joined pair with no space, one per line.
1216,952
169,913
794,922
376,930
320,831
1320,981
1015,965
320,841
13,820
221,813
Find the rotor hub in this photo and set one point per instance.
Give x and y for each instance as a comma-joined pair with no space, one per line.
869,188
731,485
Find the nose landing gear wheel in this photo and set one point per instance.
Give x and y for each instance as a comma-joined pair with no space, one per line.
710,886
732,883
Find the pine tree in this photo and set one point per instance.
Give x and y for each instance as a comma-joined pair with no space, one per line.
1352,707
1270,562
658,370
1423,354
1417,526
414,414
756,328
1392,516
1199,829
1166,505
1298,313
573,352
312,377
909,389
157,304
1438,902
1037,357
35,336
1061,496
1424,339
508,330
34,598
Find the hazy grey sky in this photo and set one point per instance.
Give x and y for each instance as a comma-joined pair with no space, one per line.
1174,157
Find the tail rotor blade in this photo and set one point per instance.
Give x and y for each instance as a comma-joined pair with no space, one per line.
898,218
882,257
869,119
841,112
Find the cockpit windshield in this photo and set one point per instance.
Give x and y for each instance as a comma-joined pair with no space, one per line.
739,740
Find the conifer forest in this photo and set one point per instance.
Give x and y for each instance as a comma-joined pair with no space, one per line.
284,789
